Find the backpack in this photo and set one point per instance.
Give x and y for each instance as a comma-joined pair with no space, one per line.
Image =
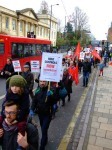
62,92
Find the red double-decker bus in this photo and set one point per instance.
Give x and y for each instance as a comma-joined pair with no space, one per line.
22,49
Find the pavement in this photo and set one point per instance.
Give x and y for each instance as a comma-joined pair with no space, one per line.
97,129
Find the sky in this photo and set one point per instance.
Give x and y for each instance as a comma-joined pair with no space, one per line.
98,12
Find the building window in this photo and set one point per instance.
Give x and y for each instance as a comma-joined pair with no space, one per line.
21,26
13,24
7,22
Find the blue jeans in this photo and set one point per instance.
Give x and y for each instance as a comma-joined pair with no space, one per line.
44,123
85,78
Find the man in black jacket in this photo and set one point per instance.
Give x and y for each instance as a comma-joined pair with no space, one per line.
43,102
9,136
86,71
29,77
8,69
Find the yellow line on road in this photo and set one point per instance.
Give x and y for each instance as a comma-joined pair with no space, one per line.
67,137
65,141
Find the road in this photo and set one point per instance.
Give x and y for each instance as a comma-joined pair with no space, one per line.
68,120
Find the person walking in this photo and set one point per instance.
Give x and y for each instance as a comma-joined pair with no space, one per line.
86,71
29,77
67,83
43,104
101,68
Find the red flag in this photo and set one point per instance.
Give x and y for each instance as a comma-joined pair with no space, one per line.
95,54
77,51
74,73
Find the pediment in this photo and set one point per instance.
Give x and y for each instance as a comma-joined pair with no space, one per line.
29,12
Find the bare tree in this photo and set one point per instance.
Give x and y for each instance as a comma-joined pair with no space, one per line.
79,20
44,9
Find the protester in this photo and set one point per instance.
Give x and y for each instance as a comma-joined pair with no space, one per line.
101,68
79,65
17,93
10,137
29,77
105,58
8,69
55,88
86,71
67,83
43,103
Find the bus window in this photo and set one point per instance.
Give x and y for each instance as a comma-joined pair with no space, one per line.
48,48
32,49
20,50
45,48
29,50
14,50
17,50
38,49
33,53
1,48
26,50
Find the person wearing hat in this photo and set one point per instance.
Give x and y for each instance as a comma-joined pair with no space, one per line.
29,77
18,93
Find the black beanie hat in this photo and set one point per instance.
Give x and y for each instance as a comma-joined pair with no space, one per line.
16,80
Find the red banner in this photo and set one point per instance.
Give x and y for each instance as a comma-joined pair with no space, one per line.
74,73
95,54
77,51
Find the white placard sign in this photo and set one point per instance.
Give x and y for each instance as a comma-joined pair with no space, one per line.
82,55
51,67
35,66
16,65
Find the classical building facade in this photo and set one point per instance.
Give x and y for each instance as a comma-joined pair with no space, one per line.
20,22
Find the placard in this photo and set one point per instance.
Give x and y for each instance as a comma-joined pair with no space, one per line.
35,66
16,65
51,67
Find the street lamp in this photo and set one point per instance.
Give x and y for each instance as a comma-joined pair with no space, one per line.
50,21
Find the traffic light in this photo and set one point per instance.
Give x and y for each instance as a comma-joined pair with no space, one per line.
31,35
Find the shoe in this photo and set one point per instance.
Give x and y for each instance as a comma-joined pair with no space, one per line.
68,99
63,104
53,116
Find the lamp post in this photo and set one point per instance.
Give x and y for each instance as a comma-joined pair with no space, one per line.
50,21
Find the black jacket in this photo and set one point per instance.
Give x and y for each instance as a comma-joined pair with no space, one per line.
10,69
86,66
42,103
9,140
28,76
67,82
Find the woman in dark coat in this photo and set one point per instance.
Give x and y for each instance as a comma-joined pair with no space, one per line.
67,83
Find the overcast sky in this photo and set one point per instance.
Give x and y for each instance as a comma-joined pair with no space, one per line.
98,11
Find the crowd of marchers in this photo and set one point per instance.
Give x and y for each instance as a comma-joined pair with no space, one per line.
17,130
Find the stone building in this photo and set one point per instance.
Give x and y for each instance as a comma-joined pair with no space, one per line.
20,22
109,35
